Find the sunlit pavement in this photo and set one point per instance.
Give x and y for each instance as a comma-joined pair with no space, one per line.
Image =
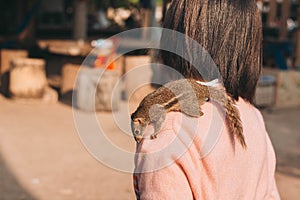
283,126
41,156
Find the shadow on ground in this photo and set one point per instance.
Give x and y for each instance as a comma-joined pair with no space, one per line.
10,189
289,164
283,127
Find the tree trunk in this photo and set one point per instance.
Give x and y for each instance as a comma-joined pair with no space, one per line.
297,62
272,13
285,14
148,16
80,20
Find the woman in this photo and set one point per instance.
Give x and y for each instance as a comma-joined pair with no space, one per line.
198,158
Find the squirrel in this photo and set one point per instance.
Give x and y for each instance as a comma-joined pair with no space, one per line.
186,96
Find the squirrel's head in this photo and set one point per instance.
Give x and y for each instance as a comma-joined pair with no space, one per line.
138,126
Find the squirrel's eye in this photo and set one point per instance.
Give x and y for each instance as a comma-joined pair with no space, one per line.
136,132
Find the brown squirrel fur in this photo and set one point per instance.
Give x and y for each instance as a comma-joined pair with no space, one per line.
186,96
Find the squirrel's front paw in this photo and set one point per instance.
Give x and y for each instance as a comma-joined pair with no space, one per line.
153,136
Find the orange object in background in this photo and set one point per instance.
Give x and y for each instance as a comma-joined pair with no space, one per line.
111,66
100,61
104,61
106,51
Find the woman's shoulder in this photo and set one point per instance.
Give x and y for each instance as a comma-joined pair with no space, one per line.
186,130
249,113
183,131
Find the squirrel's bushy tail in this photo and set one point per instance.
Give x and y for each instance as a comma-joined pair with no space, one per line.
233,119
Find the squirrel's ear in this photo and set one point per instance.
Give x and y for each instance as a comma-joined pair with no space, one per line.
138,120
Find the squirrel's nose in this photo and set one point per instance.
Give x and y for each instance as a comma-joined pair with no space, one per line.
138,138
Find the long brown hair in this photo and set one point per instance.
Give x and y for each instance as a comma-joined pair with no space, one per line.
229,30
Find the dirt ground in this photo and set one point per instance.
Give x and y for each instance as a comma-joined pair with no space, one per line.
41,156
283,126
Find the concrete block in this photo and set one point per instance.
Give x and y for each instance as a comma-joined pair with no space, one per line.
287,87
50,96
7,55
27,78
138,77
96,90
69,74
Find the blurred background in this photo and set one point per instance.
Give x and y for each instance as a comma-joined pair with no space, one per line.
43,44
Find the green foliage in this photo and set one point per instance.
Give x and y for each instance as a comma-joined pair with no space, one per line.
159,2
118,3
114,3
134,1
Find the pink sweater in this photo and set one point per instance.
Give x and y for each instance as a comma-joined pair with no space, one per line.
198,158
